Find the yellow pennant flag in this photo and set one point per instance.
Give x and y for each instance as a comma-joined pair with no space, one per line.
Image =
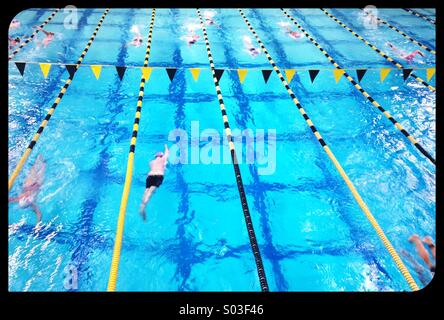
242,73
195,72
45,68
289,73
430,73
146,72
96,69
384,73
338,74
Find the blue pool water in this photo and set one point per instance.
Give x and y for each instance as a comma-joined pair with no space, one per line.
312,234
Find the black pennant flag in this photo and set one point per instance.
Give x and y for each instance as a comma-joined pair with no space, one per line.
120,71
171,73
218,73
313,74
21,67
360,73
71,69
266,74
406,73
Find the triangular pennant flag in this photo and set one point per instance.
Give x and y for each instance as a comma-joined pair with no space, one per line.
384,73
360,73
289,73
21,67
71,69
338,74
195,72
266,74
218,73
45,68
120,71
313,74
242,73
146,72
406,73
430,72
96,69
171,73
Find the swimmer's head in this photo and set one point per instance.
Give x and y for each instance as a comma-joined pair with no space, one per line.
158,155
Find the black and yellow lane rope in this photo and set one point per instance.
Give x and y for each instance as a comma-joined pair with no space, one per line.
129,167
381,53
24,43
420,15
402,33
240,185
54,106
337,165
362,91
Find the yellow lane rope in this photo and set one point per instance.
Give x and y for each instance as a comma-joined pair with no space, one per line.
405,35
373,47
53,107
416,13
338,166
129,167
24,43
363,92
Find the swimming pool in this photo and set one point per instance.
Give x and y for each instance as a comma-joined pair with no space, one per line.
312,234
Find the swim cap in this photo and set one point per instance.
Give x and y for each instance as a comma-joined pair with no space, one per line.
159,154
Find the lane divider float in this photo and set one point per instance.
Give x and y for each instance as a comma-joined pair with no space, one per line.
416,13
146,72
405,35
24,43
373,47
338,166
240,186
71,71
363,92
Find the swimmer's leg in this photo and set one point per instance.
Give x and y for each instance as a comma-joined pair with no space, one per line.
146,197
37,212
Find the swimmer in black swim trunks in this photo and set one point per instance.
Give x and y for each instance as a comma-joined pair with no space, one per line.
154,178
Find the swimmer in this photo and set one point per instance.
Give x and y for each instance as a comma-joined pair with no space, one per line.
401,54
154,178
248,46
13,42
208,15
292,34
49,36
191,39
15,24
31,187
137,40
